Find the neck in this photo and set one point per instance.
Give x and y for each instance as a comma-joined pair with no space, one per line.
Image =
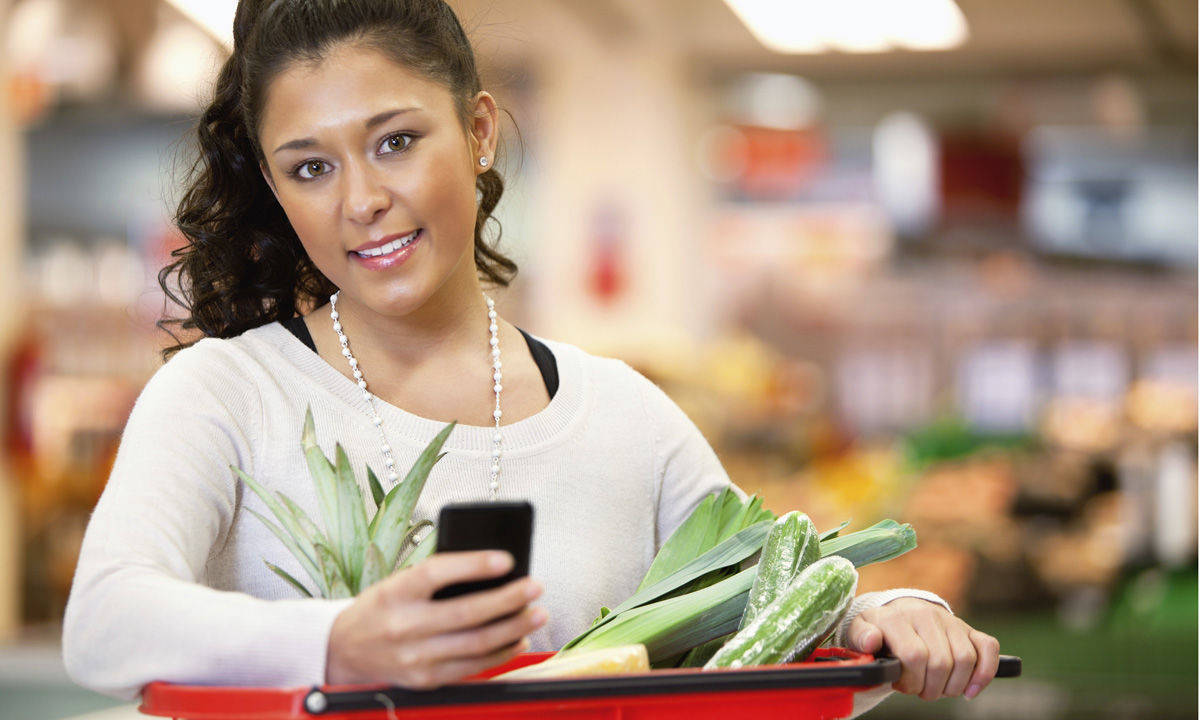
450,324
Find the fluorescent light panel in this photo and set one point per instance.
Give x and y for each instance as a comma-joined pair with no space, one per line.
858,26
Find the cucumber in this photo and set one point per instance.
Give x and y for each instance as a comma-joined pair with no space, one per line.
792,545
796,621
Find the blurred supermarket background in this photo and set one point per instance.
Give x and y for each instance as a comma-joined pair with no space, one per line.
928,260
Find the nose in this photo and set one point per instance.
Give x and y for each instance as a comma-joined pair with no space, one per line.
366,198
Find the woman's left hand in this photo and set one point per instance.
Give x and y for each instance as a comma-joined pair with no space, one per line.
940,655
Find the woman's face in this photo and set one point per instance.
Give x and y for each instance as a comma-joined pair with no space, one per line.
361,150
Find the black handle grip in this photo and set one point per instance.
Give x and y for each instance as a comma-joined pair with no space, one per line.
1009,667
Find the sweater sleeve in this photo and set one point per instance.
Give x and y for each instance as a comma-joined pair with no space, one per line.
138,610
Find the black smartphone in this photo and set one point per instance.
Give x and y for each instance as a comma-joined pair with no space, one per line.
486,526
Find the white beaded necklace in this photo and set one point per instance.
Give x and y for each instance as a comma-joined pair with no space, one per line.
392,475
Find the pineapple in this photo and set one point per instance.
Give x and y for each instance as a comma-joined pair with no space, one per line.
352,553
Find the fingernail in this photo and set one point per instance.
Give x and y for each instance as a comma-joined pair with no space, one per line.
532,590
972,691
500,561
539,616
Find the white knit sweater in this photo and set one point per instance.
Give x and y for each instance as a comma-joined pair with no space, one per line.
171,583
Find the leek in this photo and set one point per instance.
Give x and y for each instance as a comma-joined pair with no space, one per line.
885,540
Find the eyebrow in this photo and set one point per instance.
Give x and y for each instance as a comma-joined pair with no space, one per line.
371,123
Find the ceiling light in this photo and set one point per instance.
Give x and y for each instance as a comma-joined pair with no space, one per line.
810,26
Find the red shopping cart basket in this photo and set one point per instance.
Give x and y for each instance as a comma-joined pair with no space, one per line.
820,688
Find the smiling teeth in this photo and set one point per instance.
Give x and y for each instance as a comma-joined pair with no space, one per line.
391,247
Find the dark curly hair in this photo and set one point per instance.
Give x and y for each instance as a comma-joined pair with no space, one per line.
243,265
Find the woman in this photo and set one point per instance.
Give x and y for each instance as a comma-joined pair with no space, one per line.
348,156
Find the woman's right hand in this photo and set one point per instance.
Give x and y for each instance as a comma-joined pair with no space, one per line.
395,633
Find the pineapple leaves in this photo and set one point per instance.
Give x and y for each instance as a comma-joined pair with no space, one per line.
410,536
335,578
423,549
352,551
376,488
291,580
390,526
373,567
311,531
310,565
323,477
352,542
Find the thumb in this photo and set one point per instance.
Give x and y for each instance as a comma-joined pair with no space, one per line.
865,637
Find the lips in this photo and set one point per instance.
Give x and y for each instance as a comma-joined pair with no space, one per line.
384,241
391,255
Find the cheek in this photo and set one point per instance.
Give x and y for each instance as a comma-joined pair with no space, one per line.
310,213
445,199
314,217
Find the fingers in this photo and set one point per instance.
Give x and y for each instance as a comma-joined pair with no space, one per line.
864,636
423,676
475,609
421,581
479,641
913,654
939,662
988,650
964,656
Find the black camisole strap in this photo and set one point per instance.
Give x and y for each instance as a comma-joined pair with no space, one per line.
541,354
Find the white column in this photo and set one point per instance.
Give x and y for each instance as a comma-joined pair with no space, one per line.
615,124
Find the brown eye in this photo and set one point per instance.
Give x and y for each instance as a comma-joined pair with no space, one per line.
399,142
313,167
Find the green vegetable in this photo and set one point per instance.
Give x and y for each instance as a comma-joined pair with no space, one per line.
791,547
728,553
699,655
796,621
675,625
885,540
831,534
706,549
717,518
351,554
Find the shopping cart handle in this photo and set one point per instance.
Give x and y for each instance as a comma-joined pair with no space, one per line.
1009,667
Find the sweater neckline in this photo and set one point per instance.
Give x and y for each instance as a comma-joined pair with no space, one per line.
522,437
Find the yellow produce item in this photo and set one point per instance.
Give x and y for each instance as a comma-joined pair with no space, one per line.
605,661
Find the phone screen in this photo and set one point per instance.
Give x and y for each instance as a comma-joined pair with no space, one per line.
486,526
